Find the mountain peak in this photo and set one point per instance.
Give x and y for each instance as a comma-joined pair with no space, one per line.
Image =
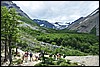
86,24
10,4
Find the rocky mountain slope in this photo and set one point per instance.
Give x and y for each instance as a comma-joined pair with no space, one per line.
47,24
86,24
44,23
10,4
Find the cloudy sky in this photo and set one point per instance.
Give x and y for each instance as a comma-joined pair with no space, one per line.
57,11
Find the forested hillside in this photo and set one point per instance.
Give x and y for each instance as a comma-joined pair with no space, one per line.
21,32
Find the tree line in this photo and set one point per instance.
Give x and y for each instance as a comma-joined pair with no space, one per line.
87,43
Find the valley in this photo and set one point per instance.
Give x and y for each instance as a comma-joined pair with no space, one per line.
19,34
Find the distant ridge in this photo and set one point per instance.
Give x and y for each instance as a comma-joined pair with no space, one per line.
10,4
86,24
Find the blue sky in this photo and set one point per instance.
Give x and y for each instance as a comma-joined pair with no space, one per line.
57,11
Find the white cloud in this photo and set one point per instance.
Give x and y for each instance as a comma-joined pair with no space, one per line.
60,11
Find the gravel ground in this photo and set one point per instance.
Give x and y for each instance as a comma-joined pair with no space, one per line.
86,60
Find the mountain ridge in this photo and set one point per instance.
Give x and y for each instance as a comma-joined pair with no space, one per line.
10,4
86,24
44,23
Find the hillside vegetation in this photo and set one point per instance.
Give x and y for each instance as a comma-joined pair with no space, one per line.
86,43
50,41
82,43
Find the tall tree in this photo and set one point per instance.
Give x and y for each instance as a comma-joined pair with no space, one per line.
4,30
9,28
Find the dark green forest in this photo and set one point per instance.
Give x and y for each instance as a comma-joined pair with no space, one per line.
81,42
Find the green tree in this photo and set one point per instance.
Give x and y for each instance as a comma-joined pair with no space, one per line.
4,28
9,28
53,43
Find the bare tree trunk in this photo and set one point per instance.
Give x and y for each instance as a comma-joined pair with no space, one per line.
5,50
10,56
5,44
16,48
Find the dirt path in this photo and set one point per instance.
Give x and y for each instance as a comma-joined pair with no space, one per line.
28,63
86,60
32,63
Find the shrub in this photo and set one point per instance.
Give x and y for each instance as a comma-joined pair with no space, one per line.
19,61
18,55
68,61
64,64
